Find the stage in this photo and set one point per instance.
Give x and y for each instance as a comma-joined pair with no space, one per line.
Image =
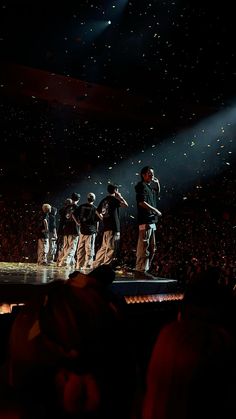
20,281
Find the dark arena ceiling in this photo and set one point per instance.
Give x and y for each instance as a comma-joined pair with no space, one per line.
88,85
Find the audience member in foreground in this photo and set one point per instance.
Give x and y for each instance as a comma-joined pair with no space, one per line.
191,374
69,355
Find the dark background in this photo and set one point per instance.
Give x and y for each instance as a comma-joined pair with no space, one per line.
175,59
164,50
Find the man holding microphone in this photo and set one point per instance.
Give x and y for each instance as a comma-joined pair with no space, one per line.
147,192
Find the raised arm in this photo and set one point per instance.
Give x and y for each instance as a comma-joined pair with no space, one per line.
123,202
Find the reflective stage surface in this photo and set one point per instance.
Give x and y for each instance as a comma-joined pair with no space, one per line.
31,273
20,281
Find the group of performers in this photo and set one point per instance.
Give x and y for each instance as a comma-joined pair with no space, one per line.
73,242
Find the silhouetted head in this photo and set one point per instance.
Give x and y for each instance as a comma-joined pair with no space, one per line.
112,188
104,274
147,173
91,197
46,208
206,298
75,196
68,201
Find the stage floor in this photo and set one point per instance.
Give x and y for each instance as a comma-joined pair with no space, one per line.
31,273
19,281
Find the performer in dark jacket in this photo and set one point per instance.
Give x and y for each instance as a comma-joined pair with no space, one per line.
88,219
108,209
52,227
43,235
70,233
147,192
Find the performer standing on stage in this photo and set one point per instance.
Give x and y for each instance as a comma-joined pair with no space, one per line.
52,227
43,235
88,220
147,192
60,230
108,209
70,233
